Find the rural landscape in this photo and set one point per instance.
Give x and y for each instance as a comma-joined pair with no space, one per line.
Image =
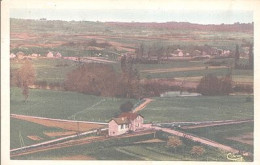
91,90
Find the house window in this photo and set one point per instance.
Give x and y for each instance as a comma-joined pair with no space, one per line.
122,126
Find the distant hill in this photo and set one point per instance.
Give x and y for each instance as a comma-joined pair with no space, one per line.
239,27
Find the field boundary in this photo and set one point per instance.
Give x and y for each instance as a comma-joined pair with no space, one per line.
61,120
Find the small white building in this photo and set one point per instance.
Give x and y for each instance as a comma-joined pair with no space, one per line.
35,55
12,55
49,55
58,55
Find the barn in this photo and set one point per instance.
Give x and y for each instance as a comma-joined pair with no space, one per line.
124,123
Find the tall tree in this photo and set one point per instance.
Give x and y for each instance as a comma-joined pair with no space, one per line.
251,56
123,64
24,77
237,56
139,51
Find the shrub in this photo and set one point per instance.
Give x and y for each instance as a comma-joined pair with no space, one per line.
126,107
197,150
174,142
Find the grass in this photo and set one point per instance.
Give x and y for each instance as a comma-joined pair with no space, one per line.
46,69
24,129
65,105
220,133
200,108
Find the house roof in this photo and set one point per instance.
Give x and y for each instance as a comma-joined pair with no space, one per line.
129,115
121,120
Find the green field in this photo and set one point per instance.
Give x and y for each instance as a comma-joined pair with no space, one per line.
125,149
21,129
66,105
220,133
200,108
47,69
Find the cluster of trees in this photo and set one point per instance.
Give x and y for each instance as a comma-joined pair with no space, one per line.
96,79
250,64
211,85
175,143
23,77
152,54
103,80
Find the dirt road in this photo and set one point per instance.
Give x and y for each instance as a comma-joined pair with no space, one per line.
143,105
180,69
217,124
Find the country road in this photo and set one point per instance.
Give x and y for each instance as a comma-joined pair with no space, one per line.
217,124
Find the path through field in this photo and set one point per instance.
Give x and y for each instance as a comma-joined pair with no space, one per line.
217,124
143,105
181,69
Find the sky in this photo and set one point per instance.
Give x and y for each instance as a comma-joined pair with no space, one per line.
136,15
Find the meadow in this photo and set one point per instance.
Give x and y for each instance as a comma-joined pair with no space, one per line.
72,105
22,129
48,69
66,105
222,133
198,108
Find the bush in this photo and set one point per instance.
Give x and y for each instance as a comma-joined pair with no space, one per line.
197,150
126,107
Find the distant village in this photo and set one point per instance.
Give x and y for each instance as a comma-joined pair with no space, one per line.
206,52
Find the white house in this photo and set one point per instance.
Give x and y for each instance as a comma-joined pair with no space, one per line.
49,55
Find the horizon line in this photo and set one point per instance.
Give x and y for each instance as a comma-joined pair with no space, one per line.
158,22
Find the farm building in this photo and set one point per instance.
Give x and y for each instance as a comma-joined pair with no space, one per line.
124,123
178,52
35,55
12,55
49,55
58,55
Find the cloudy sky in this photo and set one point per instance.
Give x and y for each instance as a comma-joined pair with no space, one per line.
205,12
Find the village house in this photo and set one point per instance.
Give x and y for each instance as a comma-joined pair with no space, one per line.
12,55
178,52
58,55
35,55
49,55
124,123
